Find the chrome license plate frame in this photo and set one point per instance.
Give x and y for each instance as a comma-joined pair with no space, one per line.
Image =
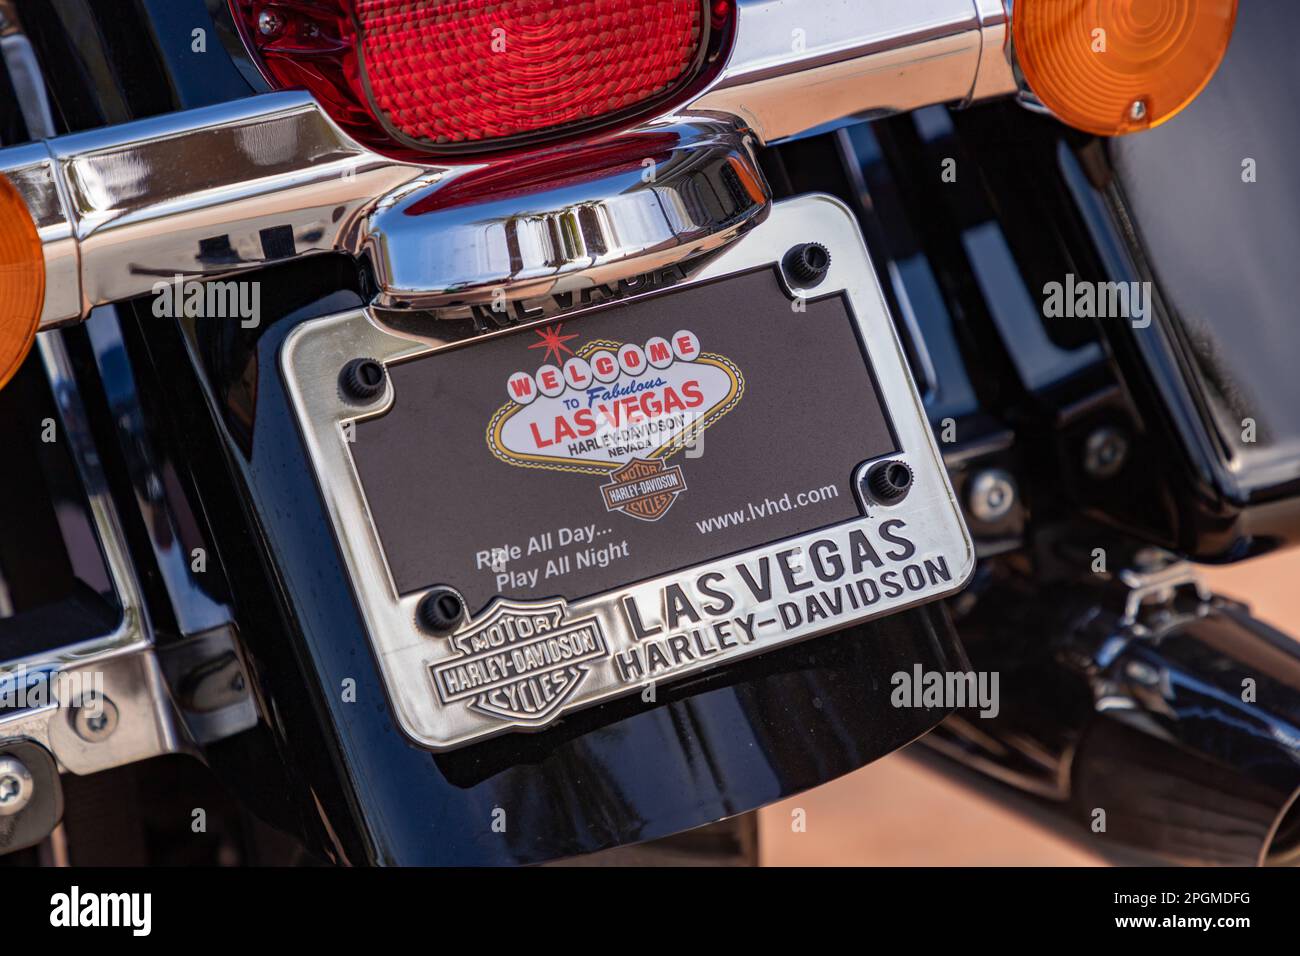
521,664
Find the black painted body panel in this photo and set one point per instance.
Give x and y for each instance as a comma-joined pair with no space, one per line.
804,414
1214,201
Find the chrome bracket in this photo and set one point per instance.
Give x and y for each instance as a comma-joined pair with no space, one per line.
1157,579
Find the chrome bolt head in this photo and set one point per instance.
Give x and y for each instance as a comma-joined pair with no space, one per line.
1150,560
991,495
269,23
1138,111
95,720
16,786
1105,452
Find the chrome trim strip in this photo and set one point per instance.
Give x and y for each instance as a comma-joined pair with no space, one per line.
133,631
33,174
276,166
154,205
25,74
997,75
798,66
31,171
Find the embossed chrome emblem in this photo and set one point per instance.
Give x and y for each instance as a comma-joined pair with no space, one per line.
519,661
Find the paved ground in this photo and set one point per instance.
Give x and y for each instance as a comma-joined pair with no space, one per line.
899,813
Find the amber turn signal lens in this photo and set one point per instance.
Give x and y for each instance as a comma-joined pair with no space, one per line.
1120,66
22,281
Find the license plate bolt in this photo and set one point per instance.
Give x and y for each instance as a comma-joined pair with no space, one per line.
807,264
440,610
888,482
362,380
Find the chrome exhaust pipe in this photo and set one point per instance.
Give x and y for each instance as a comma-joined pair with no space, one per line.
1194,751
1151,715
1195,748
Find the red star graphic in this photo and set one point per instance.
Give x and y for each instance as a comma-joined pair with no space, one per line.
553,341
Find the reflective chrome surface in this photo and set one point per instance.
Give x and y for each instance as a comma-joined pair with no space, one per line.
582,216
121,664
1143,695
315,351
211,192
32,172
202,193
996,75
798,66
42,693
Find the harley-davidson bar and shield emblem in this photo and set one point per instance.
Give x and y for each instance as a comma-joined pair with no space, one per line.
644,489
520,660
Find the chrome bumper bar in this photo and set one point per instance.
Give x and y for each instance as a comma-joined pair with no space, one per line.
797,66
211,192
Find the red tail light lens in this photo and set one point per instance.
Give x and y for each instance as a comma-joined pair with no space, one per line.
464,75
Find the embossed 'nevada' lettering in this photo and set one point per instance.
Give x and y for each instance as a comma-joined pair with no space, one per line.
488,319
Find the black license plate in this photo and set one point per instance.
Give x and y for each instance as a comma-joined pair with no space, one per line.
740,422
